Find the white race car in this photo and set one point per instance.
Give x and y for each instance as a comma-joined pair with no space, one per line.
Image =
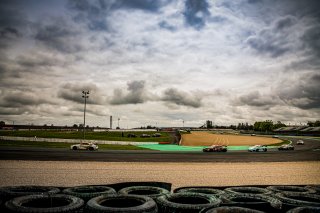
257,148
85,146
300,142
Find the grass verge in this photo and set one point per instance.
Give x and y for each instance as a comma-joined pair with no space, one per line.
65,145
108,136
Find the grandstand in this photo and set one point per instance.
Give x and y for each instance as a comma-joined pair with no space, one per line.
298,130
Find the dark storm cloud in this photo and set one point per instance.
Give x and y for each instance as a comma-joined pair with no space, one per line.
196,12
59,36
181,98
9,32
311,39
12,111
256,99
22,99
311,46
136,94
302,92
73,92
13,24
11,15
95,13
274,41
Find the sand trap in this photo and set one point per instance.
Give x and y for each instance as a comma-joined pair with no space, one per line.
207,139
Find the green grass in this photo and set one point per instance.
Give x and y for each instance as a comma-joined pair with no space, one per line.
108,136
65,145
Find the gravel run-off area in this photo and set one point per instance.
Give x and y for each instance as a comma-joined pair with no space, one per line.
60,173
208,139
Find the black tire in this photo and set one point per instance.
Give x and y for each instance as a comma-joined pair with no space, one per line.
186,202
91,148
45,204
10,192
252,201
88,192
149,191
299,189
203,190
305,210
315,188
247,190
74,148
291,200
121,203
226,209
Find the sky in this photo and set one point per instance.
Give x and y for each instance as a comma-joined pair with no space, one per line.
159,62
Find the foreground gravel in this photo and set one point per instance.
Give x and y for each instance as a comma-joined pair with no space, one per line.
65,173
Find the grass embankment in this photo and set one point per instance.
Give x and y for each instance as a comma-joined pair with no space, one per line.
65,145
108,136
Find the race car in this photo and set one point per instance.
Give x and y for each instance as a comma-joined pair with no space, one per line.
300,142
258,148
215,148
84,146
286,147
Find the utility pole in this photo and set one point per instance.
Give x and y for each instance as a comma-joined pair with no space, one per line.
118,123
85,95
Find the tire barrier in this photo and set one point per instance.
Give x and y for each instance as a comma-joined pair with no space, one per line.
186,202
186,199
121,203
293,199
149,191
247,190
16,191
252,201
88,192
44,204
305,210
314,187
203,190
226,209
119,186
280,189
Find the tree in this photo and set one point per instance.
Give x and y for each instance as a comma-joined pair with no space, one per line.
316,123
75,126
310,123
256,126
2,123
278,125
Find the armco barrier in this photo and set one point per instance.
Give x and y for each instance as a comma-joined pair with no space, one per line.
36,139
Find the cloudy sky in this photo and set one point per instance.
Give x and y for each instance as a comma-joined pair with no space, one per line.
159,62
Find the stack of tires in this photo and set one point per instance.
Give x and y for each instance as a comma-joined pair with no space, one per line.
153,197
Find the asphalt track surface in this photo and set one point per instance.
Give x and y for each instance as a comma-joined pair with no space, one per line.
308,152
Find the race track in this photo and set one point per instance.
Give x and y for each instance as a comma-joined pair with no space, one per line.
308,152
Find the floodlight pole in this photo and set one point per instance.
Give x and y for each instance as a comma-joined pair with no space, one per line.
85,95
